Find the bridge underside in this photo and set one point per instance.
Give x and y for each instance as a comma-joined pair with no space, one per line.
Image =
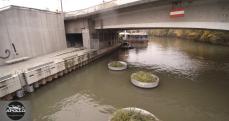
201,14
185,25
198,14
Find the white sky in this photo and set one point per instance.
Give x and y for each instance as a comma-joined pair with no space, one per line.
53,5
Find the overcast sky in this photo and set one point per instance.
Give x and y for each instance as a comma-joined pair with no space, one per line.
68,5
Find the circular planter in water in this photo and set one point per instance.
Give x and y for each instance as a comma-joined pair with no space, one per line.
144,79
117,65
133,114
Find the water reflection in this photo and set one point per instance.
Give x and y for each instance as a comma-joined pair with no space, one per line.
80,107
140,45
175,56
194,81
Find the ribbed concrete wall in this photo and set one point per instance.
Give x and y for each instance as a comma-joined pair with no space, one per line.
33,32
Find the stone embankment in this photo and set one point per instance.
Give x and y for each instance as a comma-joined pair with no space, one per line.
22,78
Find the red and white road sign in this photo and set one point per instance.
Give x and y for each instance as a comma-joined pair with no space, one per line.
177,12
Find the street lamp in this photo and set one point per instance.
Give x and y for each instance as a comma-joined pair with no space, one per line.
61,6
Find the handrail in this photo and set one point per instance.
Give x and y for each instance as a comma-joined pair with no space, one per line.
95,8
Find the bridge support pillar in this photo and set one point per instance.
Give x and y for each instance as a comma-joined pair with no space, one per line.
97,39
107,38
90,35
86,38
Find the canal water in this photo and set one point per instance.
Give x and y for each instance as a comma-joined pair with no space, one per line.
194,85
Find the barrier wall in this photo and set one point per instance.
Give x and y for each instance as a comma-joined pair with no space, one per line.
29,32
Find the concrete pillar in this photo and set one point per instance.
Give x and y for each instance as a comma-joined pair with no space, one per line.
90,35
86,38
108,38
97,39
90,41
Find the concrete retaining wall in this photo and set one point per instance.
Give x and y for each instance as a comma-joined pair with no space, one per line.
33,32
75,26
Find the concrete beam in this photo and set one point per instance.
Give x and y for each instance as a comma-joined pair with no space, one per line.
185,25
204,14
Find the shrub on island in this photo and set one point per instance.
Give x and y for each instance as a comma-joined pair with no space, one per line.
133,114
117,65
144,79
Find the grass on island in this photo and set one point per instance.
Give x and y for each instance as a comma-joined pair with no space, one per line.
124,115
116,64
144,77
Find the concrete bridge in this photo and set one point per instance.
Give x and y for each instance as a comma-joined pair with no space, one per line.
103,21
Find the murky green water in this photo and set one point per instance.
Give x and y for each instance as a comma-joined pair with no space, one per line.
194,85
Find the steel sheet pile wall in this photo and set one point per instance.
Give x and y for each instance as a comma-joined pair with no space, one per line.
30,32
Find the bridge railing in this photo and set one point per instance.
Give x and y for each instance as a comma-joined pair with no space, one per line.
95,8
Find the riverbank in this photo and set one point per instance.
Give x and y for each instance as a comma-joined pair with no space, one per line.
208,36
193,82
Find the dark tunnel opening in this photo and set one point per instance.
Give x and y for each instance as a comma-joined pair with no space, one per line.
74,40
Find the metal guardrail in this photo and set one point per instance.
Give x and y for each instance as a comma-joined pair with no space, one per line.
95,8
